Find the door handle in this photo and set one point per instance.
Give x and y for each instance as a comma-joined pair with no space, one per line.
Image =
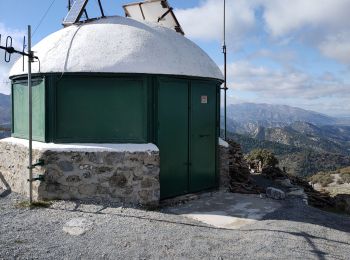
204,136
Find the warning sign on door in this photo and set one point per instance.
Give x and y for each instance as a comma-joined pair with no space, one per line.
204,99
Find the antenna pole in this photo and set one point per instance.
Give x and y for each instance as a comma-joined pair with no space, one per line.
101,8
30,134
69,5
224,50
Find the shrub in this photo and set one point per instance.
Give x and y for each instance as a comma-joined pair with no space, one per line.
345,177
323,178
264,156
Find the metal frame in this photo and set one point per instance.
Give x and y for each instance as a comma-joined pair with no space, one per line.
30,54
78,16
164,4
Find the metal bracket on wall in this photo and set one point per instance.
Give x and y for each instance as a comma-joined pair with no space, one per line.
40,177
39,162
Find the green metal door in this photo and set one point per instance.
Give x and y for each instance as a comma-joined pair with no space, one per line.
173,137
203,137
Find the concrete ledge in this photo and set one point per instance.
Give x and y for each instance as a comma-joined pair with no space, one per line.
126,173
83,147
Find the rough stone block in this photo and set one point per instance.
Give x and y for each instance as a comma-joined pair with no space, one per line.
276,194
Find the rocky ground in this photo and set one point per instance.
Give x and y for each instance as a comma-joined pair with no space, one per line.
73,230
334,187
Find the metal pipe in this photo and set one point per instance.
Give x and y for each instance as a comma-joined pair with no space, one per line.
30,134
101,8
224,50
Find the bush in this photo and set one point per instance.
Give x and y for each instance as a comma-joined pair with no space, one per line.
345,177
344,170
264,156
323,178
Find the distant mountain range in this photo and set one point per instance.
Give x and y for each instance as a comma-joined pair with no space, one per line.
5,110
5,115
247,117
304,141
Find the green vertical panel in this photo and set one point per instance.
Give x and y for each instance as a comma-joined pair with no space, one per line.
173,137
93,109
203,136
20,109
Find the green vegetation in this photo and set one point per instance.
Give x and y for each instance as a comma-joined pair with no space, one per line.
325,178
322,178
296,160
248,144
264,156
345,177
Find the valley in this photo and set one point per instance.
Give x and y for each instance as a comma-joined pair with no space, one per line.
305,142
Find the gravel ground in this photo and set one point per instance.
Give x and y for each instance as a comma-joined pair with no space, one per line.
294,231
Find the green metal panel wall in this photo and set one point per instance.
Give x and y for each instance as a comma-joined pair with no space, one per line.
203,136
20,109
101,109
187,135
173,137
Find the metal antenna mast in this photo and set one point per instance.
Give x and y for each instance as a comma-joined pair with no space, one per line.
224,50
30,130
30,54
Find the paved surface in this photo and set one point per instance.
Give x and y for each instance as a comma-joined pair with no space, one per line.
72,230
226,210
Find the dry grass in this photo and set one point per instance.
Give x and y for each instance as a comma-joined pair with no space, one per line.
35,204
323,178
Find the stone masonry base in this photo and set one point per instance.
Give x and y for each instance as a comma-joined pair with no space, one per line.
117,175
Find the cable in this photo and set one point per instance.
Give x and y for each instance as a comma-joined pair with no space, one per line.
43,17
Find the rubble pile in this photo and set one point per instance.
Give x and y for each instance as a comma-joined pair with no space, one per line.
315,198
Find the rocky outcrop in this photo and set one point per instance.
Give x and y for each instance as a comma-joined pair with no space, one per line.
234,171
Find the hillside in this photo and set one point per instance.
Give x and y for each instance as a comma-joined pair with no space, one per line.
334,182
296,160
5,110
304,141
329,139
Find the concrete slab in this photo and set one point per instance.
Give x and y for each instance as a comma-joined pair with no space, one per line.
226,210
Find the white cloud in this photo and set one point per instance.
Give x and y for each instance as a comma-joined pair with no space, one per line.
323,24
337,46
285,83
17,37
205,22
284,16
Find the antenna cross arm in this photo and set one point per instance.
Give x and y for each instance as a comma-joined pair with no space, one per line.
13,50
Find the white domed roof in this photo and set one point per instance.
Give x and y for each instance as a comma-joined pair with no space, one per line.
120,45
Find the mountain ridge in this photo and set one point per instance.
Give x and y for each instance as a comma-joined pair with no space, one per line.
5,110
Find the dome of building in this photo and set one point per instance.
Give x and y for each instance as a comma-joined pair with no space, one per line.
120,45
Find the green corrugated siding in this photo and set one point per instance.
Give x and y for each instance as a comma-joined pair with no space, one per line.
92,109
20,109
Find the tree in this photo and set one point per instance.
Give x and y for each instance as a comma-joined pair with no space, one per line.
263,156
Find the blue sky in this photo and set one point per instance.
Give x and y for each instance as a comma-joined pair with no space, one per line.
279,51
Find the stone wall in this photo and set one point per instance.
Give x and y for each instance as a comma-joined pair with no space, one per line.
121,176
